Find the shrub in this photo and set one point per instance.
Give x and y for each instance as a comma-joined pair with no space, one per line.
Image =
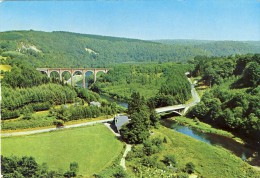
150,148
136,152
58,123
149,162
7,114
27,116
190,167
183,175
114,171
74,168
41,106
157,141
120,173
169,160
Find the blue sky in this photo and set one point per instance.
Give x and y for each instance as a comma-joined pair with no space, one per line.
147,19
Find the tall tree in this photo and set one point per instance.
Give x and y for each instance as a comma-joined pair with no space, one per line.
137,131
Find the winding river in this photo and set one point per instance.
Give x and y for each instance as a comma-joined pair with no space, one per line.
245,152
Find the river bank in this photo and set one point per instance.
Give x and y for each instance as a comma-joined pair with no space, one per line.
216,137
203,127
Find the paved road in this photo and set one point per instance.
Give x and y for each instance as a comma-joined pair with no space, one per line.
194,93
195,96
52,129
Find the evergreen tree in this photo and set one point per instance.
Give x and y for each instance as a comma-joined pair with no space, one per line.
137,131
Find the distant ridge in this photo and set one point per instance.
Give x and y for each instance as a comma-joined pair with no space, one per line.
217,48
68,49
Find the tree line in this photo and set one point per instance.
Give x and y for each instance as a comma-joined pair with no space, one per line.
26,166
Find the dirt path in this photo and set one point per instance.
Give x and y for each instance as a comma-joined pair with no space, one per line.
127,149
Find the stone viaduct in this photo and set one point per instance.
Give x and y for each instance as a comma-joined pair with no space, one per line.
72,71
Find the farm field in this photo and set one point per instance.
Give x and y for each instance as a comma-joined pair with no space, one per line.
93,147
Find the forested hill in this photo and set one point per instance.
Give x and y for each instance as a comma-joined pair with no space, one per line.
218,48
65,49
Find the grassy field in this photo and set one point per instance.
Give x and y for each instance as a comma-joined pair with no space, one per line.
93,147
209,161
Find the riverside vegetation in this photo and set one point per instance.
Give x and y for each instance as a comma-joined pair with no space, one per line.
30,99
233,102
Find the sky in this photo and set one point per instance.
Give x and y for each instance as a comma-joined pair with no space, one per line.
145,19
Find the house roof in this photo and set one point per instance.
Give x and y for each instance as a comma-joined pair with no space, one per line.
120,121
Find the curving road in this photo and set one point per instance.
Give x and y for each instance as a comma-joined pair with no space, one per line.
195,97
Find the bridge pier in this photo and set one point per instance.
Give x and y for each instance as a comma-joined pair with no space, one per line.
84,80
60,73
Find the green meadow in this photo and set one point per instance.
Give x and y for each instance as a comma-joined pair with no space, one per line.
93,147
210,161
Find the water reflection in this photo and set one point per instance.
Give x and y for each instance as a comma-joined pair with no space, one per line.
245,152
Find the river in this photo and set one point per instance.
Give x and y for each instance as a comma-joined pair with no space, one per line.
245,152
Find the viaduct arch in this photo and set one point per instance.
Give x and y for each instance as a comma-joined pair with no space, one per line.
72,71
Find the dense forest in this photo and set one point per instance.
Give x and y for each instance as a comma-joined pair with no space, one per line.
218,48
233,102
161,84
64,49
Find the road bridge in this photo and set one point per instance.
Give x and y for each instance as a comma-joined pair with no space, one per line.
72,71
181,108
176,108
